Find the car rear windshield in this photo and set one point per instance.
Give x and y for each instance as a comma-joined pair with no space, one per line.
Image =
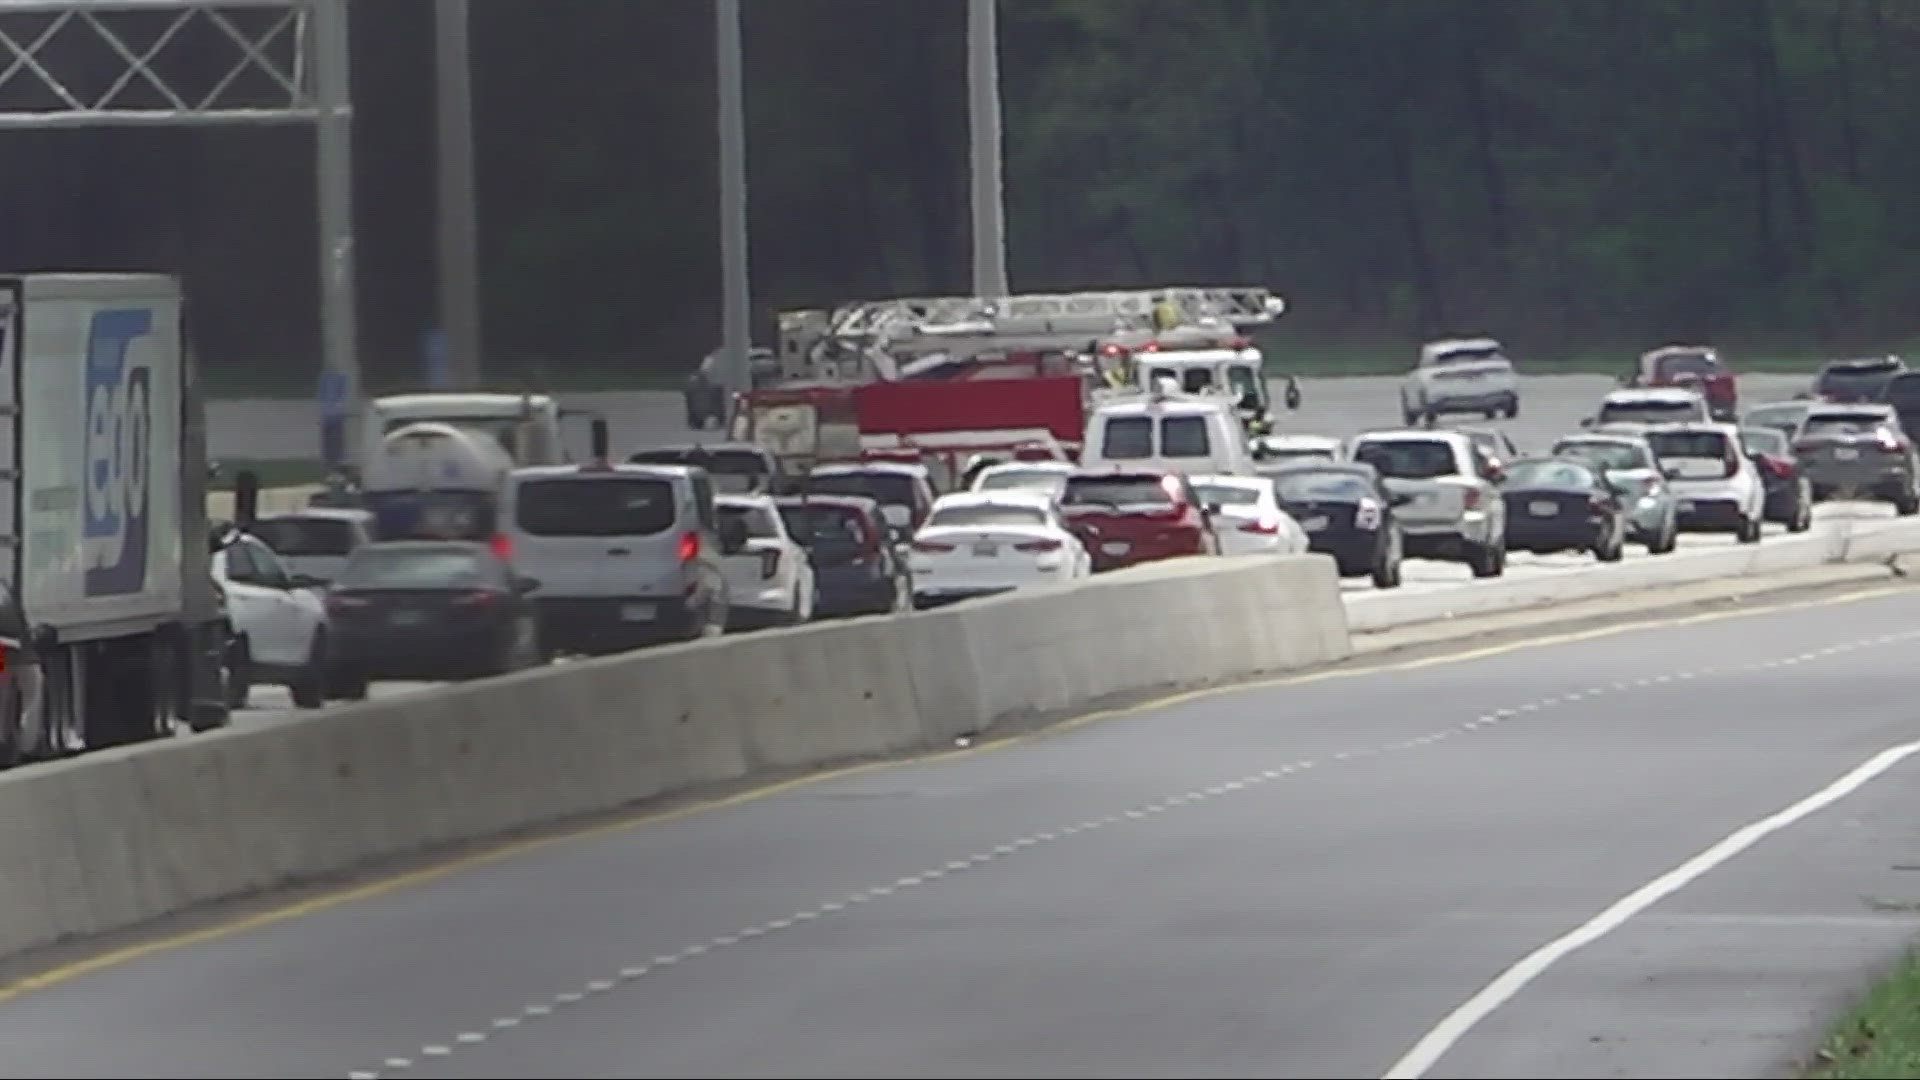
1466,356
1322,487
1563,475
300,536
1688,444
1856,377
379,567
1666,367
1648,412
1227,494
1184,437
1409,459
1022,479
1903,391
732,470
1839,424
757,519
601,506
887,489
983,516
1605,455
1116,491
826,528
1764,441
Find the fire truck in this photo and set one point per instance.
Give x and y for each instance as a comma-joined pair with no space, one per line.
946,380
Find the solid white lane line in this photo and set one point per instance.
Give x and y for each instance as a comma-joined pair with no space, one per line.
1461,1021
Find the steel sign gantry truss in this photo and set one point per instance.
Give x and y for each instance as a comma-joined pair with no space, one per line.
201,63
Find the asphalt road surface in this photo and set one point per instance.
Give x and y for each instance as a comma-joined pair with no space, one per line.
1290,881
1551,406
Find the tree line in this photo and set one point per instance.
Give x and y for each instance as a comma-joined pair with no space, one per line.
1566,169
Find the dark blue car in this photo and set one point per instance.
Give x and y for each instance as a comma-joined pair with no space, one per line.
855,568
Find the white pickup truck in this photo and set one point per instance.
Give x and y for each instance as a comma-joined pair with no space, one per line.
1463,375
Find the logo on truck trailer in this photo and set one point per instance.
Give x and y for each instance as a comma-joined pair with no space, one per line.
119,436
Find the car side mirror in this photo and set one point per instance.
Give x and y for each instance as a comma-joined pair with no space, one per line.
1399,498
733,536
525,585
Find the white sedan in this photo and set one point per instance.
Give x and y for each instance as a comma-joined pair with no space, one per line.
769,581
976,543
281,621
1047,476
1250,520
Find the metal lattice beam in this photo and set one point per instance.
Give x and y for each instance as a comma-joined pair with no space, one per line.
159,63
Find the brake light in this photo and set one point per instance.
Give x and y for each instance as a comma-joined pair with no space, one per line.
769,563
931,547
1472,500
1597,503
1037,545
689,546
1890,442
502,546
1263,526
1733,464
477,598
1776,468
6,654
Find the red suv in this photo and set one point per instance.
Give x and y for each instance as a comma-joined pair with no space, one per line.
1128,518
1696,367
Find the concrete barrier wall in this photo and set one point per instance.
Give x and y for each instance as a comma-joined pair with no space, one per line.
124,836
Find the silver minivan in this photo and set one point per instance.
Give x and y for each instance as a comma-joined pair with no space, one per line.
625,555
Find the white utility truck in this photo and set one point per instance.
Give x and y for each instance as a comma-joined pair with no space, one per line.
103,531
432,480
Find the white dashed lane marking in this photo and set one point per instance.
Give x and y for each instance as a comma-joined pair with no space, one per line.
395,1065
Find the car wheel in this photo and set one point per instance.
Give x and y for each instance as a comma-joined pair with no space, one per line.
1612,547
1293,395
1409,417
1668,539
1488,561
1513,407
1386,572
1802,509
1750,531
309,685
1907,504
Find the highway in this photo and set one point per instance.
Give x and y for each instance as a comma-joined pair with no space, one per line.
1294,880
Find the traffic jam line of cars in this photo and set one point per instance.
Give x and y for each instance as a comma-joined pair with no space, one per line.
698,540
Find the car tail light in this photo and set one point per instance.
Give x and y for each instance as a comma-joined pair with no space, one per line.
1891,443
476,598
1805,445
1776,468
1037,546
689,546
931,547
1598,503
769,563
502,546
1263,526
1472,500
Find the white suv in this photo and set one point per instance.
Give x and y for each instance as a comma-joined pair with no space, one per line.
769,581
1718,486
279,620
1470,375
1453,509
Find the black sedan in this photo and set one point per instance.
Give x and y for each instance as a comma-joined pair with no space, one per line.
1346,512
428,610
1560,504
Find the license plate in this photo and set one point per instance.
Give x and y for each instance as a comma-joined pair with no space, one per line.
1313,524
409,618
1116,547
986,550
1544,508
636,612
1845,453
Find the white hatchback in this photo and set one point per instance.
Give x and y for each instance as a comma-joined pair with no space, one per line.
978,543
281,621
1248,517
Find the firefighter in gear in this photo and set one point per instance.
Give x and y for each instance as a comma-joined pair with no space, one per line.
1166,314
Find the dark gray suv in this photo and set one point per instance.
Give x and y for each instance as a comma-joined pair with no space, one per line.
1858,452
